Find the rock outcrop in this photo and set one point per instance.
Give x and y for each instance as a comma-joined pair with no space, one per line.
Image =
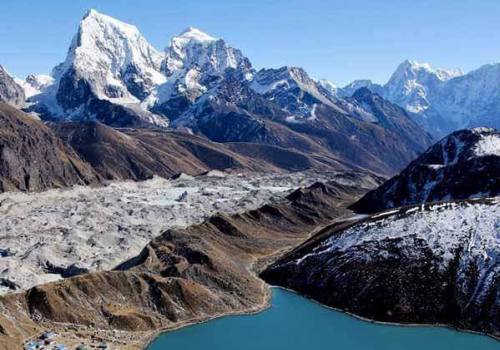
10,91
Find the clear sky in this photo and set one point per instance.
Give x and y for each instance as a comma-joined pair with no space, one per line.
338,40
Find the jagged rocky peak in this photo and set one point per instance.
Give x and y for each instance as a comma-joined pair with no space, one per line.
291,88
194,48
194,63
466,164
412,82
10,91
109,59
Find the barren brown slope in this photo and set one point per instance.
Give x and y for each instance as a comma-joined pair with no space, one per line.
33,158
138,154
185,275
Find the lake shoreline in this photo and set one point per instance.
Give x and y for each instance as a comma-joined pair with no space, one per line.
267,304
253,311
396,324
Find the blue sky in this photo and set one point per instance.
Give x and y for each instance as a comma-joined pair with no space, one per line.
337,40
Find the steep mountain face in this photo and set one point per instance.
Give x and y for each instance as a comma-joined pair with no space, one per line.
33,158
441,100
390,116
109,69
465,164
193,63
473,100
184,275
10,91
363,130
431,264
232,112
292,89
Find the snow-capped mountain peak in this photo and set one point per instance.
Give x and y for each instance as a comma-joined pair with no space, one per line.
421,70
115,56
409,85
195,48
194,62
109,68
194,34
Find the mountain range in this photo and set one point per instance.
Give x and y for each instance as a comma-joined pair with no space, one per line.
202,85
442,101
111,73
422,247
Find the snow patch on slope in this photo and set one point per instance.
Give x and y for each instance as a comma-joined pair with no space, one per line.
445,228
488,145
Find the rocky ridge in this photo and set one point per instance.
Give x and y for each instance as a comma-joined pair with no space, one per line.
465,164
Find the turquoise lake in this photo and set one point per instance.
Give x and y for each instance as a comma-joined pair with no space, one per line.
295,323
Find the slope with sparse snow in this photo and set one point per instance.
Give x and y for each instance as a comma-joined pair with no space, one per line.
432,264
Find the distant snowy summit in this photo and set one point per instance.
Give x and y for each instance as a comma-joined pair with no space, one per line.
466,164
441,100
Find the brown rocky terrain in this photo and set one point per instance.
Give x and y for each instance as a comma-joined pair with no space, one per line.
33,158
185,275
138,154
